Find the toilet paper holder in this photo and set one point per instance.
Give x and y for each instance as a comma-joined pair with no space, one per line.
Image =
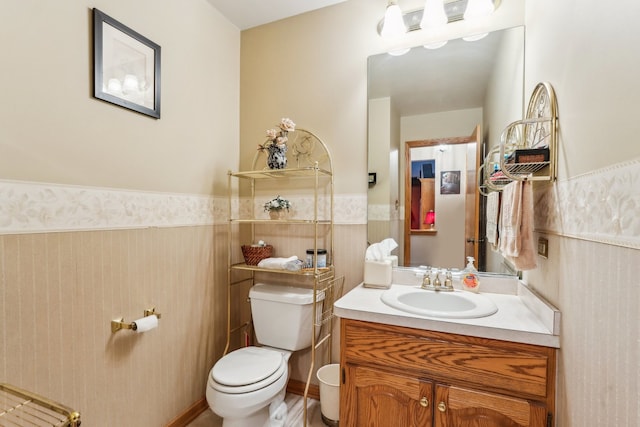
118,324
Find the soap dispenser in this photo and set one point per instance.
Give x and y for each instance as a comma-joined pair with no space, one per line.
470,280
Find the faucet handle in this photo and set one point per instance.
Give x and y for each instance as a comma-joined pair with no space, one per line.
448,281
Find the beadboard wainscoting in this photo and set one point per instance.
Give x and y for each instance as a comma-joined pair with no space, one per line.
74,258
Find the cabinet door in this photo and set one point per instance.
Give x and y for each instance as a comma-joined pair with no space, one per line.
375,398
459,407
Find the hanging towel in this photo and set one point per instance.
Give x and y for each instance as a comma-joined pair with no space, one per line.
526,259
493,210
510,219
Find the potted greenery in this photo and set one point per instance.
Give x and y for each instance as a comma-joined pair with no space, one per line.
277,208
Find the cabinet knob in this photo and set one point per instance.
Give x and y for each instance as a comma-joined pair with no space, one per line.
424,402
442,407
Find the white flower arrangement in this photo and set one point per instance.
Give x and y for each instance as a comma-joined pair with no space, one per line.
277,204
278,136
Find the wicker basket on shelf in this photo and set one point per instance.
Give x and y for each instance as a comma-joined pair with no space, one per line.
254,254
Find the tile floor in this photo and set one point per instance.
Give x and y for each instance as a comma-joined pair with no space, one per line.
294,417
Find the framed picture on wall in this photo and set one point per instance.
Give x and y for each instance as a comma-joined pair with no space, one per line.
450,182
126,66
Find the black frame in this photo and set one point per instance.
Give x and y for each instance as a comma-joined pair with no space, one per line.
99,19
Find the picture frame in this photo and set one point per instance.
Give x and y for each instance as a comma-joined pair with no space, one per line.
372,178
126,66
450,182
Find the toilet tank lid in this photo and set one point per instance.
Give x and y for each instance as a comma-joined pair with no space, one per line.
285,294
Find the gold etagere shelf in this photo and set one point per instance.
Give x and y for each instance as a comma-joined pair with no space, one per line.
310,164
538,131
19,407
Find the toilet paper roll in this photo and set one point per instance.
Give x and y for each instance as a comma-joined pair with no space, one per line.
146,324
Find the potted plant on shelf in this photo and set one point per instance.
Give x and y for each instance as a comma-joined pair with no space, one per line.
278,208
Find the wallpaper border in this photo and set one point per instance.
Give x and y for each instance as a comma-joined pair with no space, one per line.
600,206
30,207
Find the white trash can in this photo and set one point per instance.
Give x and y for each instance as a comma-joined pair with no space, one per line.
329,377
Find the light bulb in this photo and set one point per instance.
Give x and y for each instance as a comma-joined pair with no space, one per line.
475,37
399,52
393,22
436,45
433,15
478,9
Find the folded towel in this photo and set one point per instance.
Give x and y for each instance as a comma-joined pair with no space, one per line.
276,263
510,219
526,259
493,210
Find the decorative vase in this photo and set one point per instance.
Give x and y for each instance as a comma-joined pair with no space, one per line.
277,156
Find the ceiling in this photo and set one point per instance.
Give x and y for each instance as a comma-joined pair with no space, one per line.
246,14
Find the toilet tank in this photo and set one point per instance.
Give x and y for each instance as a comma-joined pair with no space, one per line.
283,315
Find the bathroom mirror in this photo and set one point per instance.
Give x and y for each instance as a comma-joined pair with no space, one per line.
431,94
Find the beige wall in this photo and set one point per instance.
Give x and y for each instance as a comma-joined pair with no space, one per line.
53,130
59,293
592,283
312,68
59,288
592,72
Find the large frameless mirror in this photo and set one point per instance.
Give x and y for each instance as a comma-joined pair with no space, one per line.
433,113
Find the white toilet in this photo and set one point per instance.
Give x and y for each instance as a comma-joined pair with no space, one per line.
247,386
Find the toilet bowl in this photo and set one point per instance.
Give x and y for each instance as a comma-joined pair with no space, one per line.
247,386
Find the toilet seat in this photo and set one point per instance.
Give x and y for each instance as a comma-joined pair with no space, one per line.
248,369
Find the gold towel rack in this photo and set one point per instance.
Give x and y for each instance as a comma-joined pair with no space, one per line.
24,408
118,324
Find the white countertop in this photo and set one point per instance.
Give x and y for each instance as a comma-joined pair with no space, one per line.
522,316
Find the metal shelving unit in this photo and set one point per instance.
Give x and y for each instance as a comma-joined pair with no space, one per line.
312,163
20,407
537,130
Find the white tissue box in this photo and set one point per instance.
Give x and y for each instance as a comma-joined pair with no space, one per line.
378,274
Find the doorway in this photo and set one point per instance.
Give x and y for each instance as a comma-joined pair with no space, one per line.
441,212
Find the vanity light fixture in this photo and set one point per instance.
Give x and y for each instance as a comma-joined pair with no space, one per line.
434,16
436,13
393,23
399,52
477,10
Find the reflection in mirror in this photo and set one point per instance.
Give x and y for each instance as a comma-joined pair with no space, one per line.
454,200
423,191
430,95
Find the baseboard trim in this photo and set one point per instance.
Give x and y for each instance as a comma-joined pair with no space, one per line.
297,387
190,414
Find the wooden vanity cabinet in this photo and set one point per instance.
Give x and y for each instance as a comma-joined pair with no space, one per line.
401,377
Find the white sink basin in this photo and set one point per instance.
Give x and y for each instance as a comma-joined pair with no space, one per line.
452,305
